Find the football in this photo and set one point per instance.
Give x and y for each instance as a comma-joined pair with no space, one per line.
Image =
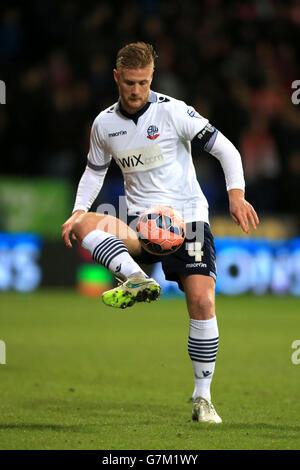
161,230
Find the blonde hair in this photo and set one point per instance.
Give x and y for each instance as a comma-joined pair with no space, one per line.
135,56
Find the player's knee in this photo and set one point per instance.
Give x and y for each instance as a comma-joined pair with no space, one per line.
85,223
201,307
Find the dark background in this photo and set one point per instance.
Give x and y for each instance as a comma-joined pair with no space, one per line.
234,61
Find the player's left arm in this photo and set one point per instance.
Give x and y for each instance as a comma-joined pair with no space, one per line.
241,211
214,142
191,126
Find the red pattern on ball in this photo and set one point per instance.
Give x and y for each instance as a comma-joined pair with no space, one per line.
161,230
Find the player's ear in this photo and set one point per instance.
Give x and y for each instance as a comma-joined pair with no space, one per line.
152,74
116,76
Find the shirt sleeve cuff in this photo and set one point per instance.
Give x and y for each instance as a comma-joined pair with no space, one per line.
79,208
236,186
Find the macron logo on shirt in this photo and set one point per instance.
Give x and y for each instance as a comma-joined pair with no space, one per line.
116,134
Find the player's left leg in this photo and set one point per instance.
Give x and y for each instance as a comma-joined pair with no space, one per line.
203,342
112,243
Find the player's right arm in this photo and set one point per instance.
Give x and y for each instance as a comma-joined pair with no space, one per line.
90,183
67,228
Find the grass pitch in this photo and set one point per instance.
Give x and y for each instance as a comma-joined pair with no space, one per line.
80,375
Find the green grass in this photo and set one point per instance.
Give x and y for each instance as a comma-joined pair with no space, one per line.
80,375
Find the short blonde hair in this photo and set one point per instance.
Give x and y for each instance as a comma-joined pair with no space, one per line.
136,55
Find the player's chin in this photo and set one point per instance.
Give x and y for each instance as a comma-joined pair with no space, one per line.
135,103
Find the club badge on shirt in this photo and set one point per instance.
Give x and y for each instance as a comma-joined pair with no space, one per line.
152,132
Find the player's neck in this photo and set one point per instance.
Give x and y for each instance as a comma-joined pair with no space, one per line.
136,114
129,110
133,111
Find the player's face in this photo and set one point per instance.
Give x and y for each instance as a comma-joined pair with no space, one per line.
134,87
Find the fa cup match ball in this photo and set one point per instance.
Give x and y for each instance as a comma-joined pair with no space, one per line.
161,230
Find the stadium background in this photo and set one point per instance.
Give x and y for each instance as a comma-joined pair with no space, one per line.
75,375
235,62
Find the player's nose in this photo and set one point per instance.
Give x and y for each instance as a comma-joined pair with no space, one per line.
135,89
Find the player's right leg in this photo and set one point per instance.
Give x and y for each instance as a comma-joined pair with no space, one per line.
203,342
197,280
113,244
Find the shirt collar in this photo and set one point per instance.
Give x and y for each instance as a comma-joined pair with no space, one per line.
152,99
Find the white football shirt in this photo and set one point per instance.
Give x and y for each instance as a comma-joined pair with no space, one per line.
154,155
153,150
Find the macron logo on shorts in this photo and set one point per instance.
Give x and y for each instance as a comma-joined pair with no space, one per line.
196,265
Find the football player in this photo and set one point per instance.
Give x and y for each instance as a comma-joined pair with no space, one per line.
149,136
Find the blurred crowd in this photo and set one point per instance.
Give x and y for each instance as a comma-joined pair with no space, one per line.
234,61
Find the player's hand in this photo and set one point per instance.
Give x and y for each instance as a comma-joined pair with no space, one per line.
241,211
67,228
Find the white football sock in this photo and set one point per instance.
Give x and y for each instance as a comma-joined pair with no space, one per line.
202,347
111,252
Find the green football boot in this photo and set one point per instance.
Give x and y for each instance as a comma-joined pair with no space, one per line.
134,289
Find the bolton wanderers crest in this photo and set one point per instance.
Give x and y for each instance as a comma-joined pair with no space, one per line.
152,132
